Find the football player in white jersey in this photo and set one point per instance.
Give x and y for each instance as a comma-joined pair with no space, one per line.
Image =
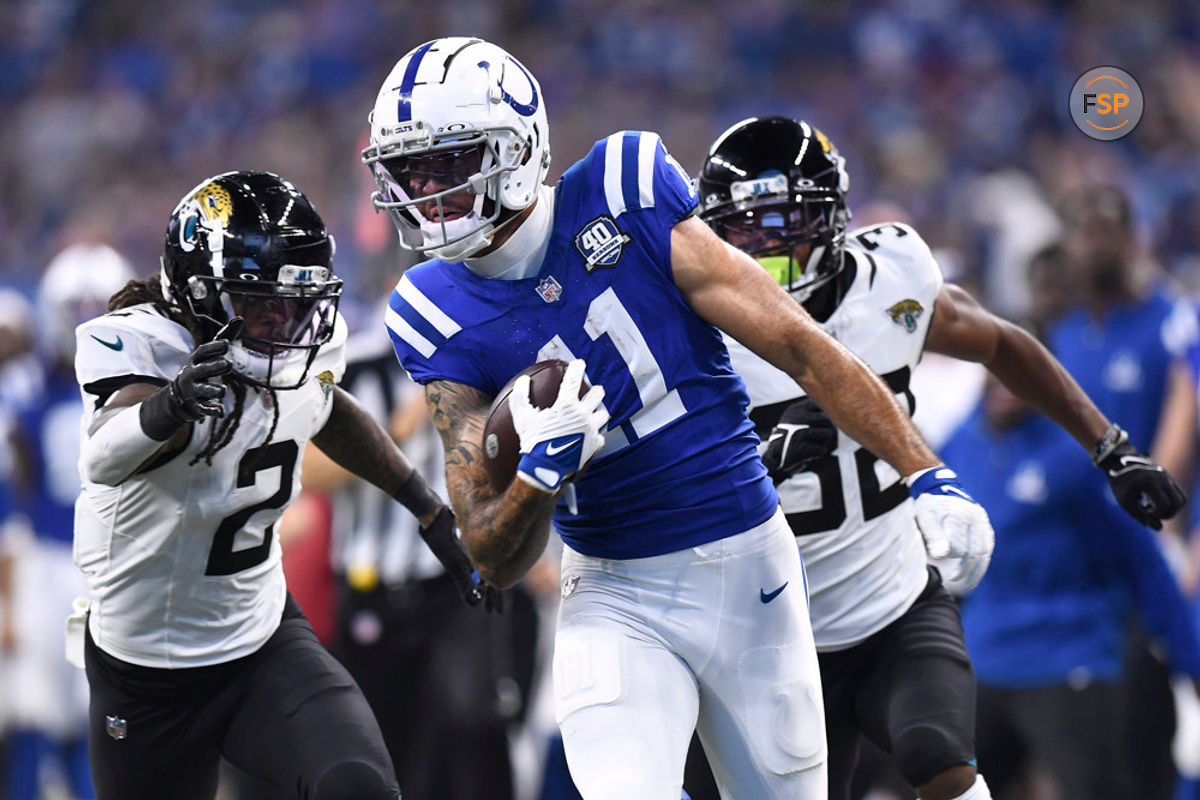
893,664
193,648
683,603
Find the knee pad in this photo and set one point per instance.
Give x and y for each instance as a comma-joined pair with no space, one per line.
923,751
355,780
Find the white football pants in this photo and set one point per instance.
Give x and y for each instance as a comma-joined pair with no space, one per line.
649,649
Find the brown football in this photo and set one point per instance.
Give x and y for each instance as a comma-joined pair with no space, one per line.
501,445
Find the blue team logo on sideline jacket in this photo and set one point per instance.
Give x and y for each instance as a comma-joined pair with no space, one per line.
680,465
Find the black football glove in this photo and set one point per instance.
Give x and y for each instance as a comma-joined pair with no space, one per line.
802,435
196,392
1145,490
442,539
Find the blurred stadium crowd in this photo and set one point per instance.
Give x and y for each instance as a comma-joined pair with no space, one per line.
952,115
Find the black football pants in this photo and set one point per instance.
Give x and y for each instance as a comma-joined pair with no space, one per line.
288,716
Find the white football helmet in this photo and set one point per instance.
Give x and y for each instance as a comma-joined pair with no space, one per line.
459,145
76,287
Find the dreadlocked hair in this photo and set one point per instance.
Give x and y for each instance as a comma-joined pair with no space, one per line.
224,430
148,290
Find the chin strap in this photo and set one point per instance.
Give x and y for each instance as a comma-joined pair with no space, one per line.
463,249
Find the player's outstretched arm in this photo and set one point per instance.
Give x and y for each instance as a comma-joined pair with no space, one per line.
143,421
728,289
355,441
725,287
505,533
962,328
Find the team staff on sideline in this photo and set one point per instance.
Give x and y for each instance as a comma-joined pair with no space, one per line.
194,650
683,592
893,664
1046,626
1125,339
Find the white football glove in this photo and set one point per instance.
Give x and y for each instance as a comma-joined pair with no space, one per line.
557,442
956,529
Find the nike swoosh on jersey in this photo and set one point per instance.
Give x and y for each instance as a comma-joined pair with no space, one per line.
768,597
117,345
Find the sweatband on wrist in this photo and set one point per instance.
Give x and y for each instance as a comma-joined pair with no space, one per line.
415,495
159,416
117,448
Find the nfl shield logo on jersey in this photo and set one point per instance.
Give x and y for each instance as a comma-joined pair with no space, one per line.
116,726
601,243
549,289
568,586
906,313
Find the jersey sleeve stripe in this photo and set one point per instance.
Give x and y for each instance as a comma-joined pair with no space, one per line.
629,169
613,195
425,307
647,149
408,334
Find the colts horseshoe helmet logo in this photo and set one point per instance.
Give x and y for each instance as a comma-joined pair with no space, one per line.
524,109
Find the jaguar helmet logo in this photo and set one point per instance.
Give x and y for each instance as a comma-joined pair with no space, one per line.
214,202
209,209
906,313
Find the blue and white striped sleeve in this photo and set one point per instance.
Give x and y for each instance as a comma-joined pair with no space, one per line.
639,173
420,330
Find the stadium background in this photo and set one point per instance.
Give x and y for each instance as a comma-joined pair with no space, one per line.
955,111
952,114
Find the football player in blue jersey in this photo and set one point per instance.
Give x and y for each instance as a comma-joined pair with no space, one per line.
893,664
684,598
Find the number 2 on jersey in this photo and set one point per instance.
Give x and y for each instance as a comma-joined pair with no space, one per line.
222,558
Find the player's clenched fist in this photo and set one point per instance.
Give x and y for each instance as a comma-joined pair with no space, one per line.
1144,489
196,392
954,526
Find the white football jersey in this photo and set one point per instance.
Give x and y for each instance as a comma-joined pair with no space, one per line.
182,562
851,513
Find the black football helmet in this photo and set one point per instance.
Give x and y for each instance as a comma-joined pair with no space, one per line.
250,244
770,184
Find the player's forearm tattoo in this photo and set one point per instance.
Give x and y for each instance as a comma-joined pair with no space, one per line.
503,533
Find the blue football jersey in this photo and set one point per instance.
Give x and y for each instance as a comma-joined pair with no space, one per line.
679,467
51,431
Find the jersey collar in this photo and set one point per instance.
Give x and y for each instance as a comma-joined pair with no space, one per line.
521,256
